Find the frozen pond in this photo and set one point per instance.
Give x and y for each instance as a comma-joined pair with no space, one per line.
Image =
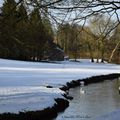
97,100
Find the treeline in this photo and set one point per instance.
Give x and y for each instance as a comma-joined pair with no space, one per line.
24,35
97,40
28,35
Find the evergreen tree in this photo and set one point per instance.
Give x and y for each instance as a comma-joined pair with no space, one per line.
8,26
38,34
22,34
23,37
47,24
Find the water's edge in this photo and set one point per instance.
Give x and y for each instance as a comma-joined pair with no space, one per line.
61,104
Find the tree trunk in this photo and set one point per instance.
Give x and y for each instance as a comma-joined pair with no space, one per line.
91,53
97,52
103,49
112,54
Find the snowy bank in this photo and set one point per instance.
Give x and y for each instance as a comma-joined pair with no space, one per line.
23,84
27,98
18,73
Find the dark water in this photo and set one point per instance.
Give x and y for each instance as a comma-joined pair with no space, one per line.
97,100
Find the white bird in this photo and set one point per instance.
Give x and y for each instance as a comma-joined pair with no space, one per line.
82,91
119,89
82,83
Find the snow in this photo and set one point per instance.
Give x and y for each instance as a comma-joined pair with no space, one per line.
25,98
23,84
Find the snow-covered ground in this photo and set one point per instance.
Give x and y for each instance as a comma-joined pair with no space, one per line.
22,84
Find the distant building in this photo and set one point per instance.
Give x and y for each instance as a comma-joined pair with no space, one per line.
54,52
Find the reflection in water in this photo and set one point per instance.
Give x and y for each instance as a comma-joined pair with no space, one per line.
98,99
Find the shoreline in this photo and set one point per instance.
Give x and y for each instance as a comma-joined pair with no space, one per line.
61,103
89,80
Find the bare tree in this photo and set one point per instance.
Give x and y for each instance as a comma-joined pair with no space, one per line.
89,39
116,42
75,10
102,27
113,51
